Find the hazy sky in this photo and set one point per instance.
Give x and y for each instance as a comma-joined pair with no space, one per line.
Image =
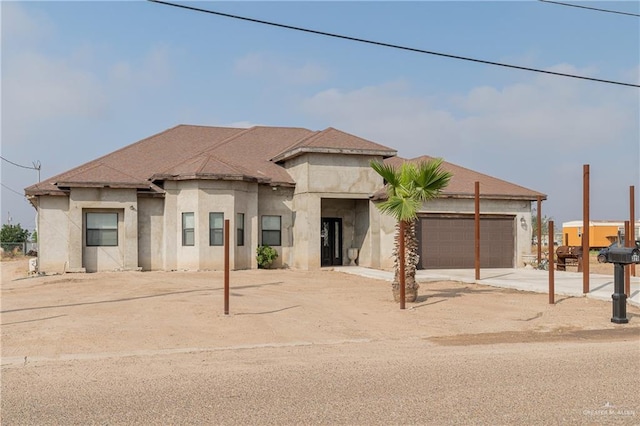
82,79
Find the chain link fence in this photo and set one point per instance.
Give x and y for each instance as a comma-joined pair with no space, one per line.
9,249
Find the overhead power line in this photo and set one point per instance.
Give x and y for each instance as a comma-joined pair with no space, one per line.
393,46
35,167
11,189
591,8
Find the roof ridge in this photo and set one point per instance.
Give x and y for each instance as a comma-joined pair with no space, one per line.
229,139
252,128
313,134
236,167
208,149
117,170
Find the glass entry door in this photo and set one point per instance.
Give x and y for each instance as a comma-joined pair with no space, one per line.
331,241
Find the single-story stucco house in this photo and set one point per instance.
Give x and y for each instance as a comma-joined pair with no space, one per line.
160,204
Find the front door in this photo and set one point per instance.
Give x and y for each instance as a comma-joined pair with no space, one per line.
331,240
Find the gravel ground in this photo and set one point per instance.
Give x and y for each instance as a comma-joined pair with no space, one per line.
384,382
306,348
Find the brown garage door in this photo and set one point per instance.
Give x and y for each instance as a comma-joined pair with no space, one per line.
447,242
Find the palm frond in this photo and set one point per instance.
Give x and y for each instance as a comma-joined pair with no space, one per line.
430,179
401,208
409,185
390,175
388,172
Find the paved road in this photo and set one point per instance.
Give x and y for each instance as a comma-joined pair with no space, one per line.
409,381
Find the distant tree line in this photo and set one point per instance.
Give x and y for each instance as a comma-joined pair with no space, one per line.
11,234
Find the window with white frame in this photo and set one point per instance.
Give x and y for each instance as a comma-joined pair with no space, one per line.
240,229
188,229
271,230
216,229
102,229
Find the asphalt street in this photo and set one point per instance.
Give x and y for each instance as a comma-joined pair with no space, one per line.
409,381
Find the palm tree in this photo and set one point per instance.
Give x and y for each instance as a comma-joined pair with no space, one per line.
408,187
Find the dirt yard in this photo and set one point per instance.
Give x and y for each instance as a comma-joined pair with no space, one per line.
124,312
322,347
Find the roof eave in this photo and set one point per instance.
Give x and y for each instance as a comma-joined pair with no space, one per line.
382,196
287,155
211,176
38,192
113,185
516,197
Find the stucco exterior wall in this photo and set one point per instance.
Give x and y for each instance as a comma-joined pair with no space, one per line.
246,201
278,201
306,231
298,169
122,257
214,197
53,233
151,233
387,235
334,185
369,255
202,197
338,173
104,258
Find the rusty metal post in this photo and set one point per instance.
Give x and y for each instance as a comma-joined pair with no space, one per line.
226,267
632,214
401,264
552,283
585,229
627,270
477,229
539,233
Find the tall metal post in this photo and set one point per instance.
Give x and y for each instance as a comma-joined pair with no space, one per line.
585,229
477,229
401,264
539,230
552,283
226,267
632,219
627,271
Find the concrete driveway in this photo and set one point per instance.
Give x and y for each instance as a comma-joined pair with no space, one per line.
566,283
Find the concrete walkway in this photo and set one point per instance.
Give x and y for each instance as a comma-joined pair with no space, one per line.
566,283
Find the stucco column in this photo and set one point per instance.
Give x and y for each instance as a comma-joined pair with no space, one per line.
306,231
170,236
251,220
131,237
372,246
75,236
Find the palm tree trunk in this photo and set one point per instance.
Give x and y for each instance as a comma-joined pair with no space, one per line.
411,259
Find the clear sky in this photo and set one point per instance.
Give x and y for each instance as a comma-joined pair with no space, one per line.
82,79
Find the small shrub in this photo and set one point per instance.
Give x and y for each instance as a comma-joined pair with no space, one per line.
266,256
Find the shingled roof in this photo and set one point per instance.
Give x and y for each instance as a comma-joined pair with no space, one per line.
334,141
462,183
201,152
